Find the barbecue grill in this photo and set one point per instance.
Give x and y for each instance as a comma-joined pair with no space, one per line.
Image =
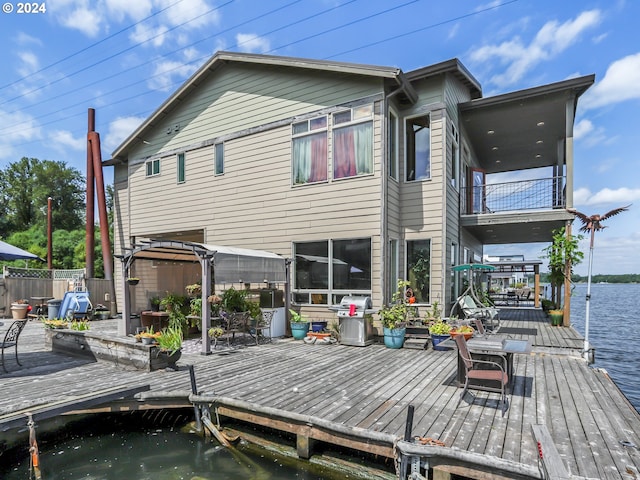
354,315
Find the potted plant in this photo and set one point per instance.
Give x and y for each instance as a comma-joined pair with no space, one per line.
101,312
19,309
299,325
394,317
214,334
133,280
148,337
464,330
155,303
170,344
194,290
440,331
556,316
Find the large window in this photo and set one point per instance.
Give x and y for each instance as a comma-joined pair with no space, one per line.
418,133
152,167
326,270
353,142
181,168
419,268
309,153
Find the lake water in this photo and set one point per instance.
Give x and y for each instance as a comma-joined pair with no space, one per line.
614,331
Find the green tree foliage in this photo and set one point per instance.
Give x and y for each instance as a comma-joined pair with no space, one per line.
562,250
25,187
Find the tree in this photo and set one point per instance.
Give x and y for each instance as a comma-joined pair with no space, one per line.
25,186
562,251
592,224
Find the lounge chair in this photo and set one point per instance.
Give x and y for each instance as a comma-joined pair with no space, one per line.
496,374
489,315
11,340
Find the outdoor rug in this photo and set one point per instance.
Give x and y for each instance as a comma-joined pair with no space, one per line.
518,331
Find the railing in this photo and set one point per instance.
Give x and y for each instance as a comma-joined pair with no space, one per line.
537,194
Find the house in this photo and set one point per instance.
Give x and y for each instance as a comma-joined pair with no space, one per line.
360,174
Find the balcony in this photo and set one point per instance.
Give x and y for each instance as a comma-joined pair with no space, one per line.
514,212
536,194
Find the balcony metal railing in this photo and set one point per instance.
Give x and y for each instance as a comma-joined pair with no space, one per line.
537,194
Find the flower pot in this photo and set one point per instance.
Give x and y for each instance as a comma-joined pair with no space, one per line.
436,340
148,340
19,311
394,337
556,318
101,314
299,329
466,336
133,281
318,326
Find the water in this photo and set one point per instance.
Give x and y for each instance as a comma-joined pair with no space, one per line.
614,331
162,454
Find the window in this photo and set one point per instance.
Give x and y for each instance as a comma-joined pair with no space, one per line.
419,268
455,157
309,153
353,142
153,167
329,269
393,272
418,148
392,145
218,154
181,168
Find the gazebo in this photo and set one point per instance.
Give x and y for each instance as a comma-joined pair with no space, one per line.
219,264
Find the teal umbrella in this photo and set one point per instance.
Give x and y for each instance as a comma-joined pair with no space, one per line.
474,266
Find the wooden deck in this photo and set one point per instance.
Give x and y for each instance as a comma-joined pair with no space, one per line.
358,396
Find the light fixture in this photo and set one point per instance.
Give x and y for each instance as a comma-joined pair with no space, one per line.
540,142
498,161
540,124
538,156
494,148
490,132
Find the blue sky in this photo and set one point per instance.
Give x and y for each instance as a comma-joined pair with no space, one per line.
124,58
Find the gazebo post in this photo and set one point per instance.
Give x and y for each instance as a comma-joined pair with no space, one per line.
205,263
125,325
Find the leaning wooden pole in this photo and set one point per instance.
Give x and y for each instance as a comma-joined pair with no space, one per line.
94,139
566,320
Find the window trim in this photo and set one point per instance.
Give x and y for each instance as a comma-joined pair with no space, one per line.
216,146
181,168
455,158
393,148
406,149
307,133
153,163
368,118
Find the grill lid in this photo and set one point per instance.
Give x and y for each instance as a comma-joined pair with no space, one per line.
361,302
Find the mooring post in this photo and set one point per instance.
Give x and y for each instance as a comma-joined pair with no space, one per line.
194,390
34,453
408,427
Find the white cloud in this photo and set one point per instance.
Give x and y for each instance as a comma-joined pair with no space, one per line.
85,19
619,197
136,10
252,43
582,128
551,40
196,12
621,82
119,130
149,35
63,140
16,128
25,39
167,73
28,63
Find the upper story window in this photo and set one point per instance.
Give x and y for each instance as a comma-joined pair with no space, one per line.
392,146
353,142
218,153
418,148
309,151
181,172
152,167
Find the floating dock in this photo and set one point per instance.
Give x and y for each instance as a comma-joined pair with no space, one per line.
358,398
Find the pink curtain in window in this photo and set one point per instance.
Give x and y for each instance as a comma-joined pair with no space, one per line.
344,157
318,158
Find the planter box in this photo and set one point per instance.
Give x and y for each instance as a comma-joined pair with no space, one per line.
123,352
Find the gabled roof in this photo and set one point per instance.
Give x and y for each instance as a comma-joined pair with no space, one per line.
453,67
221,59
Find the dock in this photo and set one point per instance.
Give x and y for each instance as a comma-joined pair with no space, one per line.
358,398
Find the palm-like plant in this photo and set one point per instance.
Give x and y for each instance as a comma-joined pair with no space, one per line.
592,224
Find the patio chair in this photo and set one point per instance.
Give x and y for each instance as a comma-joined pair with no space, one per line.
497,373
236,322
470,309
264,323
11,340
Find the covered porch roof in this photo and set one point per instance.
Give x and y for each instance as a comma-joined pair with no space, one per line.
220,264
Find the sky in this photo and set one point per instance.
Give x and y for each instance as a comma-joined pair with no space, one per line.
124,58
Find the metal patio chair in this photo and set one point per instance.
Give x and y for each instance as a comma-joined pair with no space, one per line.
497,374
264,323
11,340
